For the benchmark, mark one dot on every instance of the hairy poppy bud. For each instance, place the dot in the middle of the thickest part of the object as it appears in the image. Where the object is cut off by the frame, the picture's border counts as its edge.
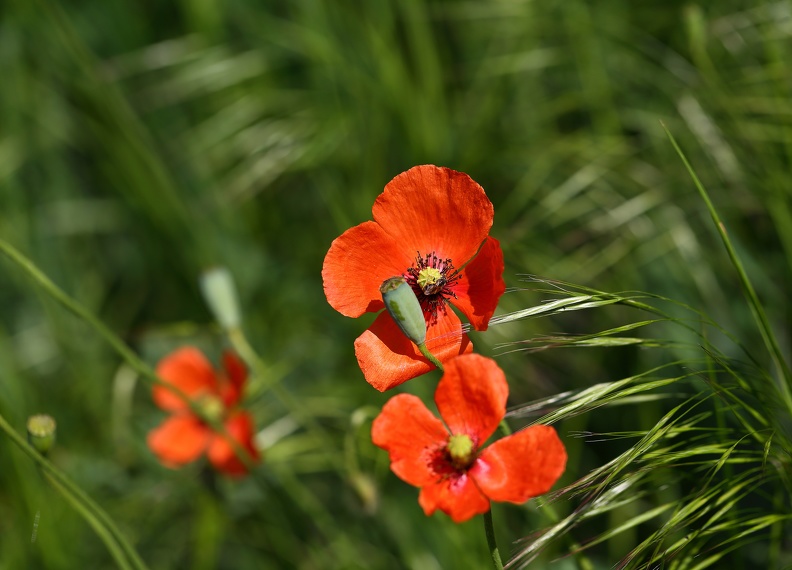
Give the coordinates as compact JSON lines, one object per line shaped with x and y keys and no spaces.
{"x":404,"y":307}
{"x":41,"y":432}
{"x":217,"y":288}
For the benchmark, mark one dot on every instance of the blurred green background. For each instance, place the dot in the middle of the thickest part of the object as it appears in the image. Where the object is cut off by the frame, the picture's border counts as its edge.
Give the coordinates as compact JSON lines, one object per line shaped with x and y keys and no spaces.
{"x":142,"y":142}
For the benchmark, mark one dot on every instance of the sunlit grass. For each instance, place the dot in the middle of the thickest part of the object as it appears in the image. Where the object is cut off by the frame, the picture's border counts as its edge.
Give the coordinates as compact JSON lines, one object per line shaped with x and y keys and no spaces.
{"x":142,"y":144}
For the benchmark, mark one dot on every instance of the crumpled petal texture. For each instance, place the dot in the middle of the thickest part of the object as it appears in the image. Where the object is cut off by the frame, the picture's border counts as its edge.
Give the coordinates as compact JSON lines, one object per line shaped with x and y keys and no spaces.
{"x":471,"y":398}
{"x":427,"y":210}
{"x":388,"y":358}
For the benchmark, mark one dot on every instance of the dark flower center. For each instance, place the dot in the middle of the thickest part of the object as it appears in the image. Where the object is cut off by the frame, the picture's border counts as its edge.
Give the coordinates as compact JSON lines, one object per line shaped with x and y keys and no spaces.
{"x":454,"y":458}
{"x":432,"y":280}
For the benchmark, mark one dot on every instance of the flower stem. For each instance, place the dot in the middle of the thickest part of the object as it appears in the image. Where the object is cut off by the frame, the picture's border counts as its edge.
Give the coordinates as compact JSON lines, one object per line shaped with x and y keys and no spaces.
{"x":429,"y":356}
{"x":240,"y":343}
{"x":120,"y":549}
{"x":489,"y":530}
{"x":145,"y":371}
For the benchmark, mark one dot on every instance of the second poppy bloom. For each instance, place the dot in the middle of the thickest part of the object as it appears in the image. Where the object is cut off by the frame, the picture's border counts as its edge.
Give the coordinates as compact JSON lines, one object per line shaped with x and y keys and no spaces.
{"x":431,"y":227}
{"x":445,"y":458}
{"x":184,"y":436}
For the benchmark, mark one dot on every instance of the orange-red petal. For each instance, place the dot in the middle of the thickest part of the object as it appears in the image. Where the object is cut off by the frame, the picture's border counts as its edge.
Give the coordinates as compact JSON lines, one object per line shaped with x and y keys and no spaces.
{"x":223,"y":455}
{"x":358,"y":261}
{"x":178,"y":440}
{"x":188,"y":370}
{"x":435,"y":209}
{"x":520,"y":466}
{"x":236,"y":375}
{"x":411,"y":435}
{"x":458,"y":497}
{"x":481,"y":284}
{"x":471,"y":396}
{"x":388,"y":358}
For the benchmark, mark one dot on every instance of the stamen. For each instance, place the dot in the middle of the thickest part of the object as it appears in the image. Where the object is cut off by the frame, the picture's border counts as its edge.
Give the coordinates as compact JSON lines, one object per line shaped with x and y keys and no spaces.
{"x":432,"y":279}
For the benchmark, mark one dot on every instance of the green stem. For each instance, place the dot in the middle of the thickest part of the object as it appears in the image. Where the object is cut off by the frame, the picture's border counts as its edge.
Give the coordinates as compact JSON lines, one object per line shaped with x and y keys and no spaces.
{"x":122,"y":551}
{"x":489,"y":530}
{"x":240,"y":343}
{"x":117,"y":344}
{"x":107,"y":537}
{"x":430,"y":357}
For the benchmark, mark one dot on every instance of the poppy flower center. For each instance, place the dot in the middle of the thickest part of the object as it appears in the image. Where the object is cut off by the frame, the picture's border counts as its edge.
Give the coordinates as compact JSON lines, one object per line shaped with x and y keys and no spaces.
{"x":432,"y":279}
{"x":460,"y":450}
{"x":211,"y":407}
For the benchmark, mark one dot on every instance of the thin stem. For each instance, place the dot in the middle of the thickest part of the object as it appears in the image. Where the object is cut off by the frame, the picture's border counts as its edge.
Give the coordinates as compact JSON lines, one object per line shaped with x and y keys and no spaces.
{"x":118,"y":345}
{"x":430,"y":357}
{"x":489,"y":530}
{"x":240,"y":343}
{"x":121,"y":550}
{"x":107,"y":537}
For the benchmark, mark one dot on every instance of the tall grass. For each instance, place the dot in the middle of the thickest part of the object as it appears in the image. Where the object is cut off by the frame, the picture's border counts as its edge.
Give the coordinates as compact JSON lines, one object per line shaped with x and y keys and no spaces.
{"x":141,"y":143}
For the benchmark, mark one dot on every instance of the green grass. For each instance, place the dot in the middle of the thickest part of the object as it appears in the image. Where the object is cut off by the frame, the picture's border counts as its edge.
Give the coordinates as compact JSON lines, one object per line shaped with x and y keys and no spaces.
{"x":142,"y":143}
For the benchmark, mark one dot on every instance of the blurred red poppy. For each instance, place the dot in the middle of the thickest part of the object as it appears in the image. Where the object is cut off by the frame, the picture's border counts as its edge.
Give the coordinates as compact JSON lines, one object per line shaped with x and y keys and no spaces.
{"x":454,"y":474}
{"x":431,"y":226}
{"x":184,"y":436}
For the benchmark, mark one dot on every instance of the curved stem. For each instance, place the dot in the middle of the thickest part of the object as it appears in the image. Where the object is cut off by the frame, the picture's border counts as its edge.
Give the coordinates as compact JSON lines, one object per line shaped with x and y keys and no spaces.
{"x":240,"y":343}
{"x":489,"y":530}
{"x":430,"y":357}
{"x":122,"y":551}
{"x":118,"y":345}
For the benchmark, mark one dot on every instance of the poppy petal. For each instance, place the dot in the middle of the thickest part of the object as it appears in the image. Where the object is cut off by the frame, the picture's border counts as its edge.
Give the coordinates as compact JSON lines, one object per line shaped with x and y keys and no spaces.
{"x":236,"y":375}
{"x":178,"y":440}
{"x":435,"y":209}
{"x":412,"y":436}
{"x":481,"y":285}
{"x":471,"y":396}
{"x":520,"y":466}
{"x":223,"y":455}
{"x":188,"y":370}
{"x":388,"y":358}
{"x":358,"y":261}
{"x":458,"y":497}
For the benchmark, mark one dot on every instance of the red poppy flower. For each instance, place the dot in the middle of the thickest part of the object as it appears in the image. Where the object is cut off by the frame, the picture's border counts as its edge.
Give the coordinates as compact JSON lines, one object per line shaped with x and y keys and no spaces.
{"x":430,"y":226}
{"x":184,"y":437}
{"x":454,"y":474}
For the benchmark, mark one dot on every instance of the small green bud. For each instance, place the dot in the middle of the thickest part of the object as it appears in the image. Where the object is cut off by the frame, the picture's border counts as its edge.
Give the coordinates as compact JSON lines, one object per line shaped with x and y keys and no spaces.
{"x":404,"y":307}
{"x":41,"y":432}
{"x":219,"y":292}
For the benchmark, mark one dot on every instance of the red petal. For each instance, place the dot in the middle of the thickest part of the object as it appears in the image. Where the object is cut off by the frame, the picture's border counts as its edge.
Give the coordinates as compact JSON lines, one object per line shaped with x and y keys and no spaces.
{"x":222,"y":454}
{"x":471,"y":396}
{"x":179,"y":440}
{"x":236,"y":376}
{"x":388,"y":358}
{"x":411,"y":435}
{"x":356,"y":265}
{"x":520,"y":466}
{"x":458,"y":497}
{"x":434,"y":209}
{"x":188,"y":370}
{"x":481,"y":285}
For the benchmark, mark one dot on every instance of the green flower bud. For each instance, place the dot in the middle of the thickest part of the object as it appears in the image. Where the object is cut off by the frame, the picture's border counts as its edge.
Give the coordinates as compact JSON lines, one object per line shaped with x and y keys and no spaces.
{"x":41,"y":432}
{"x":404,"y":307}
{"x":219,"y":292}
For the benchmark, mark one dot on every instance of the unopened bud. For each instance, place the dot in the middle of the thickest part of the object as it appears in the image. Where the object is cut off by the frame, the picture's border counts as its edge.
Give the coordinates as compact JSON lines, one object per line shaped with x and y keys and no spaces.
{"x":404,"y":307}
{"x":219,"y":292}
{"x":41,"y":432}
